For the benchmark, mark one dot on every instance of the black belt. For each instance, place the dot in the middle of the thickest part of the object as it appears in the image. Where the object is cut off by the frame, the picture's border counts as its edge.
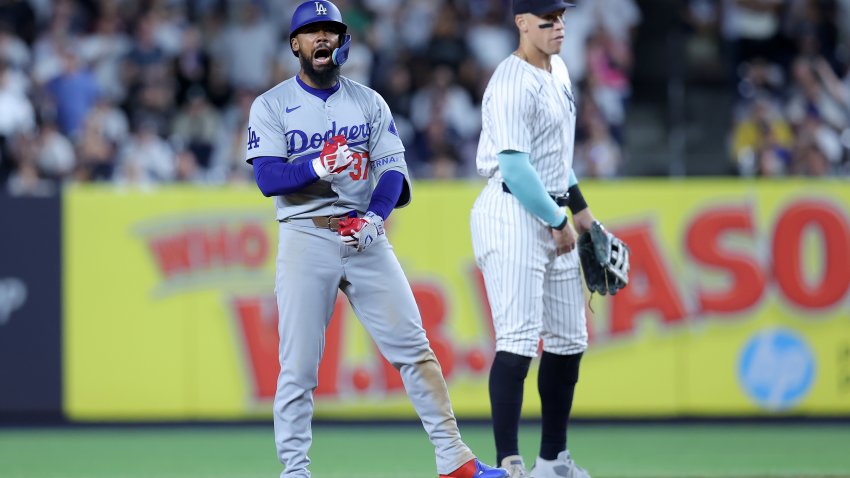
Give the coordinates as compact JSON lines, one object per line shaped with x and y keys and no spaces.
{"x":562,"y":201}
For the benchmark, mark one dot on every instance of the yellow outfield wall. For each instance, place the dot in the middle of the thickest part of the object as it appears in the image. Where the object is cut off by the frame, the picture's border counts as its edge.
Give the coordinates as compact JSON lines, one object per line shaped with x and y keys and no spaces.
{"x":738,"y":304}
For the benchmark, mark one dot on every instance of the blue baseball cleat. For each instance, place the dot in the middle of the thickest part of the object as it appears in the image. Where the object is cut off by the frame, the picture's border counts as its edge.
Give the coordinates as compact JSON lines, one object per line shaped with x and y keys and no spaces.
{"x":484,"y":471}
{"x":475,"y":469}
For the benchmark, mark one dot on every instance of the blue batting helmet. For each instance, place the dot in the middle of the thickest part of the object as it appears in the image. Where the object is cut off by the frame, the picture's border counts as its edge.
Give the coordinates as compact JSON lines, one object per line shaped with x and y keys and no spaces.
{"x":315,"y":11}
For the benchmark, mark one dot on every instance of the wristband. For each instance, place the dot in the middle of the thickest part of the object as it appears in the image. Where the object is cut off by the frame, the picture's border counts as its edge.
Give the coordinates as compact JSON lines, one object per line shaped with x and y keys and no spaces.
{"x":576,"y":201}
{"x":562,"y":225}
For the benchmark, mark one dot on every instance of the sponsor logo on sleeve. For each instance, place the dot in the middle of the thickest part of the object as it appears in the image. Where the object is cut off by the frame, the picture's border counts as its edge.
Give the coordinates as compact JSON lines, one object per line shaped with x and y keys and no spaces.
{"x":384,"y":162}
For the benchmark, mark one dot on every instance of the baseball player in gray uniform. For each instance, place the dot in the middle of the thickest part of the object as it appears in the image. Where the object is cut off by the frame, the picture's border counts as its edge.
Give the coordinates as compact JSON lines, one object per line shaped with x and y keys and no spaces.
{"x":522,"y":242}
{"x":327,"y":150}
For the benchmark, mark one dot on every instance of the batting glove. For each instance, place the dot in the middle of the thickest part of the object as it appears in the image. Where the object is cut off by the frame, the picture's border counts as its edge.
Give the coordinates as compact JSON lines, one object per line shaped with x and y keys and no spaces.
{"x":360,"y":232}
{"x":335,"y":157}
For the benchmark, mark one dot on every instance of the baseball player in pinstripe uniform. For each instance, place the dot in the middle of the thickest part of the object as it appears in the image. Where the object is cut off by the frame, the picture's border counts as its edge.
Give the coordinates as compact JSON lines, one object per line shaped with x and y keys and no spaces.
{"x":327,"y":150}
{"x":523,"y":244}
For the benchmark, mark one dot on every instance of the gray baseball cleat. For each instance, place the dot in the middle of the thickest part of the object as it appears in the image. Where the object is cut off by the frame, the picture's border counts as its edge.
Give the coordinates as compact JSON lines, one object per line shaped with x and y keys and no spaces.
{"x":561,"y":467}
{"x":515,"y":466}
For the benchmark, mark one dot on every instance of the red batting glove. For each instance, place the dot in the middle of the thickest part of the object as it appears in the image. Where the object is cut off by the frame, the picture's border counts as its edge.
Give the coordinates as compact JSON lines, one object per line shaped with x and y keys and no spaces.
{"x":360,"y":232}
{"x":334,"y":158}
{"x":351,"y":225}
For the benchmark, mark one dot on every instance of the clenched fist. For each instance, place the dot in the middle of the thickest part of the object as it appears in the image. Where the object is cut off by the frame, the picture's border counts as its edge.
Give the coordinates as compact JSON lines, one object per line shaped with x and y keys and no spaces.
{"x":335,"y":157}
{"x":360,"y":232}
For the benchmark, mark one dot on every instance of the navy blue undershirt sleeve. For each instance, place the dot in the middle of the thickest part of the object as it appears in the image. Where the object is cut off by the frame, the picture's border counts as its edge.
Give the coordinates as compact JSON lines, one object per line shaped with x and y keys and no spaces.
{"x":386,"y":193}
{"x":275,"y":177}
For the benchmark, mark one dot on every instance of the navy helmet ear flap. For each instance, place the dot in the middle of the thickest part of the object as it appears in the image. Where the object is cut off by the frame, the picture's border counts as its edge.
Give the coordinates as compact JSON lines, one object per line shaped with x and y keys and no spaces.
{"x":340,"y":55}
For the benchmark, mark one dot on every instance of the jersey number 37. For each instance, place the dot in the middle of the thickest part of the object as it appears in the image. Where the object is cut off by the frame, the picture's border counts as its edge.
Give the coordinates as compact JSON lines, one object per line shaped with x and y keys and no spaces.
{"x":360,"y":165}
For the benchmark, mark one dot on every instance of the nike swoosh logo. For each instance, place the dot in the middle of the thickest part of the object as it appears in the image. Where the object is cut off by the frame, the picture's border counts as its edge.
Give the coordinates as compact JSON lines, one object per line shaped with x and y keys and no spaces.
{"x":290,"y":110}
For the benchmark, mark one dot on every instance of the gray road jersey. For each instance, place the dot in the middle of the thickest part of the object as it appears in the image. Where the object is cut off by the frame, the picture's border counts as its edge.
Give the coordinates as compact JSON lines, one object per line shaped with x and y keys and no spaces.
{"x":289,"y":122}
{"x":533,"y":111}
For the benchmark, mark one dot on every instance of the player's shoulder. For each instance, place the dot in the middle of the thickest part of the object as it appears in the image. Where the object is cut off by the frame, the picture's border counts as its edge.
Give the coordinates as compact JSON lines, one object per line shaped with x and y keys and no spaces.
{"x":363,"y":95}
{"x":514,"y":74}
{"x":278,"y":93}
{"x":357,"y":89}
{"x":512,"y":66}
{"x":350,"y":84}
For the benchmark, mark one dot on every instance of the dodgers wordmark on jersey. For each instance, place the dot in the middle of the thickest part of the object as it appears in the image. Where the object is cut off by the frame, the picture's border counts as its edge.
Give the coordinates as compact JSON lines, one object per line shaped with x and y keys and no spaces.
{"x":292,"y":121}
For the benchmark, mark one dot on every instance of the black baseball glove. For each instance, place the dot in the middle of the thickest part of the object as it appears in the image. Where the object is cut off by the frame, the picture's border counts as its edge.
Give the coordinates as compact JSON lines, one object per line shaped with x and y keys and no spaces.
{"x":604,"y":260}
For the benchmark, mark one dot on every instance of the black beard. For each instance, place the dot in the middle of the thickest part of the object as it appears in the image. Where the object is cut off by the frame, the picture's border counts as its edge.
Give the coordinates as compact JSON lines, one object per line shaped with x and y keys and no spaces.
{"x":322,"y":79}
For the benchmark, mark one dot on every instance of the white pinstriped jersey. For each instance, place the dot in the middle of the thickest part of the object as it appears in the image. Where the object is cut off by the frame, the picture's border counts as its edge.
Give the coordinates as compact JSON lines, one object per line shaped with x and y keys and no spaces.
{"x":533,"y":111}
{"x":534,"y":293}
{"x":292,"y":123}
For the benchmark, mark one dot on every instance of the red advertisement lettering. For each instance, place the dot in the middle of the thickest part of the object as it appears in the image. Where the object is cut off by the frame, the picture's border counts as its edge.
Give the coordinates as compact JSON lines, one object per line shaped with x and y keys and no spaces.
{"x":329,"y":368}
{"x":171,"y":254}
{"x":483,"y":301}
{"x":432,"y":306}
{"x":650,"y":288}
{"x":215,"y":248}
{"x":823,"y":219}
{"x":703,"y":241}
{"x":203,"y":248}
{"x":252,"y":245}
{"x":257,"y":317}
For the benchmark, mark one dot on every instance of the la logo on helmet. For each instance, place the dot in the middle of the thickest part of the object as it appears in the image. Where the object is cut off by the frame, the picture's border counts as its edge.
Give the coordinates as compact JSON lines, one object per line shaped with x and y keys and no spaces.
{"x":321,"y":9}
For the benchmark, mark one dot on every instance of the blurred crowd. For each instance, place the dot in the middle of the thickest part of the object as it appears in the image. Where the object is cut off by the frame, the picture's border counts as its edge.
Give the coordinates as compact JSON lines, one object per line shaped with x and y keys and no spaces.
{"x":791,"y":68}
{"x":145,"y":92}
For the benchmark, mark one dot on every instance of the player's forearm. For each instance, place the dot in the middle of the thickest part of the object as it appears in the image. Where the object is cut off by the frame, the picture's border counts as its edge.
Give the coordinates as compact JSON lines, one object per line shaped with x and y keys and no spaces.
{"x":583,"y":220}
{"x":275,"y":177}
{"x":526,"y":185}
{"x":386,"y":193}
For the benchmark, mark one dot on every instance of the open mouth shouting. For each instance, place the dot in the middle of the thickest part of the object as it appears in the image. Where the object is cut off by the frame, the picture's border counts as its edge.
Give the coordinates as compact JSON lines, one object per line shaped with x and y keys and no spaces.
{"x":322,"y":56}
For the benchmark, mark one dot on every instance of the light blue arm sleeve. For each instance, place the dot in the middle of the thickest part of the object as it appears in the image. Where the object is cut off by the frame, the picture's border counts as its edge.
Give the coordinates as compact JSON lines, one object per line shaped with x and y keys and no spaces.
{"x":526,"y":185}
{"x":573,"y":179}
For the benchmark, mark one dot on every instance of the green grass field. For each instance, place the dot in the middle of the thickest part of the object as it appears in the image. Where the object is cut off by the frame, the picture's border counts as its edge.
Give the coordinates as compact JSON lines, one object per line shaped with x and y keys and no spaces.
{"x":627,"y":451}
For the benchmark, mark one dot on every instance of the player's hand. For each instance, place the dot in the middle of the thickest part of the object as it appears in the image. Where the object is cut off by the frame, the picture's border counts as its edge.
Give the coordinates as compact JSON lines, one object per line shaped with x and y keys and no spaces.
{"x":565,"y":239}
{"x":360,"y":232}
{"x":335,"y":157}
